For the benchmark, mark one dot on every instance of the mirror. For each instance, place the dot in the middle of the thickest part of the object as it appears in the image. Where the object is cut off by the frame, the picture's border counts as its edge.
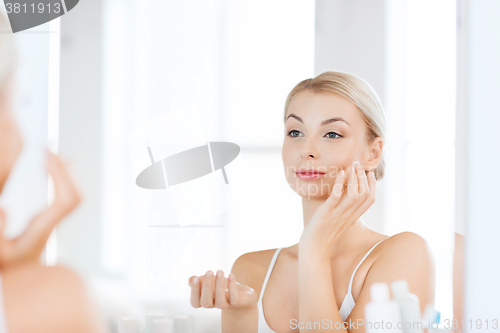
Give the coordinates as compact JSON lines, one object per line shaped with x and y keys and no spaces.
{"x":143,"y":81}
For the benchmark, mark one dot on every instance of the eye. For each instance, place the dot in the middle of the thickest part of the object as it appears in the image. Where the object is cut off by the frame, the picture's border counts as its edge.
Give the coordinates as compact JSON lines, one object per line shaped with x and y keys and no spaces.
{"x":291,"y":133}
{"x":335,"y":134}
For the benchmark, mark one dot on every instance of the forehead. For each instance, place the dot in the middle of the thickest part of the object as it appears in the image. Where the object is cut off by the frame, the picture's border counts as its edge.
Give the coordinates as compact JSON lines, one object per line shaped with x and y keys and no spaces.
{"x":315,"y":107}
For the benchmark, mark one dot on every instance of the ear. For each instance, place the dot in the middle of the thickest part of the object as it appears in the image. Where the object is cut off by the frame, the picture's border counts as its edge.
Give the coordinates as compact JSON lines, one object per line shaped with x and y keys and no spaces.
{"x":374,"y":154}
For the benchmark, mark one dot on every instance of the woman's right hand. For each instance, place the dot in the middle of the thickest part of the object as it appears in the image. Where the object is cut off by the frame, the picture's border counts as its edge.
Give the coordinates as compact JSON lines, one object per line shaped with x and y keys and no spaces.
{"x":28,"y":247}
{"x":212,"y":291}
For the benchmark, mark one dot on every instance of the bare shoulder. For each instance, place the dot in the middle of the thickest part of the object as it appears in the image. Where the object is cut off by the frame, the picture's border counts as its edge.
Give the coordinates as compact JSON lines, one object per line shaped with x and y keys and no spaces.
{"x":405,"y":244}
{"x":404,"y":256}
{"x":55,"y":298}
{"x":408,"y":256}
{"x":412,"y":238}
{"x":250,"y":268}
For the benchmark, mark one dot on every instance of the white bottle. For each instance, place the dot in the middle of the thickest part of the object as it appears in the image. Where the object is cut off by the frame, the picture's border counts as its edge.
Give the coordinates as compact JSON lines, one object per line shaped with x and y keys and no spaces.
{"x":184,"y":324}
{"x":150,"y":317}
{"x":164,"y":325}
{"x":409,"y":305}
{"x":382,"y":315}
{"x":129,"y":325}
{"x":430,"y":317}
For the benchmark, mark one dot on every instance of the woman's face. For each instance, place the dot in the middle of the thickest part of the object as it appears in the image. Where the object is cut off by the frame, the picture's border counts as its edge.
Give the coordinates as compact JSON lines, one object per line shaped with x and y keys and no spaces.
{"x":329,"y":147}
{"x":11,"y":142}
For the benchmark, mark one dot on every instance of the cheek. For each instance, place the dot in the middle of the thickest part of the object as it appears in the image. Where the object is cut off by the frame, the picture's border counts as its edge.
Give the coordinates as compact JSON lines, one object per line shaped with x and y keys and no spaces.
{"x":288,"y":163}
{"x":287,"y":153}
{"x":284,"y":156}
{"x":345,"y":155}
{"x":337,"y":160}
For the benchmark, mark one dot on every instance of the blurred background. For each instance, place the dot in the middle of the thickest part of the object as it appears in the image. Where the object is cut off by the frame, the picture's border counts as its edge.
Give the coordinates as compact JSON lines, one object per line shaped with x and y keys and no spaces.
{"x":114,"y":77}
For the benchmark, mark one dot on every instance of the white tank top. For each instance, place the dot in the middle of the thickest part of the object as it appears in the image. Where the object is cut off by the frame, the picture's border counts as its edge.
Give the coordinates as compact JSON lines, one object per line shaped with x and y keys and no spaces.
{"x":345,"y":309}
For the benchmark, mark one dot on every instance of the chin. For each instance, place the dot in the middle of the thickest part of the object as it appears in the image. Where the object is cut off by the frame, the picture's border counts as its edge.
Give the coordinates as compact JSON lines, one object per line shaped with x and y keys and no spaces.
{"x":312,"y":190}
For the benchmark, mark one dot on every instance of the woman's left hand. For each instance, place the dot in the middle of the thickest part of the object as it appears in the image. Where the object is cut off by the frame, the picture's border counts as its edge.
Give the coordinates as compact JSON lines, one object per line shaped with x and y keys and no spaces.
{"x":339,"y":212}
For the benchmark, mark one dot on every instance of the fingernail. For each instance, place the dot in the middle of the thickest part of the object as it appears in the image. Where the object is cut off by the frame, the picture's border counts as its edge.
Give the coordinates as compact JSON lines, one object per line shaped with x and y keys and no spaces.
{"x":209,"y":273}
{"x":356,"y":163}
{"x":341,"y":173}
{"x":230,"y":277}
{"x":219,"y":273}
{"x":195,"y":280}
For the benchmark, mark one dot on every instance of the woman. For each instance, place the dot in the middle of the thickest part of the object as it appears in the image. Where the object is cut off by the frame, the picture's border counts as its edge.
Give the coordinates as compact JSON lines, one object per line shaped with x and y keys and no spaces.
{"x":332,"y":155}
{"x":35,"y":298}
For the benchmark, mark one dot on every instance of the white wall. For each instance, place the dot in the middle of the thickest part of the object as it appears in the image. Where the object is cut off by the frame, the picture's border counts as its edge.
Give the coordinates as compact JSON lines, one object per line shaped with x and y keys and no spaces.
{"x":80,"y":134}
{"x":479,"y":84}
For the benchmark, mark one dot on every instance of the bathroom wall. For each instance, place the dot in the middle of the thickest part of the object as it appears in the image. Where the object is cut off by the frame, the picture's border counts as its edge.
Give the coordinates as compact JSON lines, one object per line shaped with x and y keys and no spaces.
{"x":478,"y":144}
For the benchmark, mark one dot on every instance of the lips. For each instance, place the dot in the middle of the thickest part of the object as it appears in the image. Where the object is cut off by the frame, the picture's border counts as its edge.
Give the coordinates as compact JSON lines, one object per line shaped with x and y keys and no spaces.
{"x":310,"y":171}
{"x":309,"y":174}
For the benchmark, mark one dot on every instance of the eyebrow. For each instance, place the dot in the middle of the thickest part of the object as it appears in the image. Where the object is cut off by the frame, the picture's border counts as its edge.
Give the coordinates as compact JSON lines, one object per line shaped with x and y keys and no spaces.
{"x":323,"y":123}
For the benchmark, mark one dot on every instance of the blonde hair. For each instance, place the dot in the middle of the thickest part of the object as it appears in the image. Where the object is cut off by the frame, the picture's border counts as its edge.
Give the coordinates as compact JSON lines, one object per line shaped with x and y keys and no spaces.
{"x":7,"y":50}
{"x":358,"y":92}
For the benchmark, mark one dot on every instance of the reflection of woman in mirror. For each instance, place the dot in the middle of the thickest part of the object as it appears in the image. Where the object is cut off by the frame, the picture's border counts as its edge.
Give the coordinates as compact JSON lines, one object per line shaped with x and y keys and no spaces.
{"x":331,"y":122}
{"x":36,"y":298}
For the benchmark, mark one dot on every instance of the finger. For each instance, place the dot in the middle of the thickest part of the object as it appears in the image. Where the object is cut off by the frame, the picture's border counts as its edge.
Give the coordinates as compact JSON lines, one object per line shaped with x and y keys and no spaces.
{"x":221,"y":301}
{"x":66,"y":194}
{"x":207,"y":290}
{"x":351,"y":194}
{"x":363,"y":190}
{"x":370,"y":199}
{"x":233,"y":290}
{"x":353,"y":216}
{"x":64,"y":186}
{"x":336,"y":193}
{"x":194,"y":283}
{"x":353,"y":179}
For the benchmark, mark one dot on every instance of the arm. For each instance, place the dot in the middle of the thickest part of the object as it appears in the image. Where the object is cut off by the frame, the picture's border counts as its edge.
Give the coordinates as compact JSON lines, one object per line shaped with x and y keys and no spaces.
{"x":404,"y":256}
{"x":48,"y":300}
{"x":244,"y":320}
{"x":316,"y":294}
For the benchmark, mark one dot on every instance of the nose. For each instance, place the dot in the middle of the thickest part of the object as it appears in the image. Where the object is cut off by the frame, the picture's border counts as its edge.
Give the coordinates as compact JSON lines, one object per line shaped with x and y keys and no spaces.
{"x":309,"y":151}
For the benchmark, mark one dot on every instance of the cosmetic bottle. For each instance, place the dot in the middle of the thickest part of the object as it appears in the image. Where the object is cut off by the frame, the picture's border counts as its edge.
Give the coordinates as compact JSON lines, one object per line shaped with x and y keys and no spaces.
{"x":129,"y":325}
{"x":409,"y":305}
{"x":184,"y":324}
{"x":382,"y":315}
{"x":430,"y":317}
{"x":150,"y":317}
{"x":163,"y":325}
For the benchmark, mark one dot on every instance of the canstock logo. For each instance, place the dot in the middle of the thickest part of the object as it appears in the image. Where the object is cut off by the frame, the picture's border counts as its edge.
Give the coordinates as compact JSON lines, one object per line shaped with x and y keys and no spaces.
{"x":26,"y":14}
